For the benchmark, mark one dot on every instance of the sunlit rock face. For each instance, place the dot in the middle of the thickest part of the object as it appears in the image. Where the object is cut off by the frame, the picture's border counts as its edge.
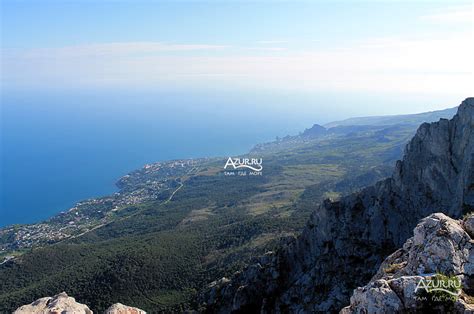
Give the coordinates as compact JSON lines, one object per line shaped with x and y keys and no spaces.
{"x":64,"y":304}
{"x":119,"y":308}
{"x":60,"y":303}
{"x":439,"y":245}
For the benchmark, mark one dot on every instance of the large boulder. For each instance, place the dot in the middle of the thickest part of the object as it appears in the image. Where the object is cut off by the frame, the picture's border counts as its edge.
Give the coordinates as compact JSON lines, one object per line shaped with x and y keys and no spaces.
{"x":119,"y":308}
{"x":59,"y":304}
{"x":441,"y":250}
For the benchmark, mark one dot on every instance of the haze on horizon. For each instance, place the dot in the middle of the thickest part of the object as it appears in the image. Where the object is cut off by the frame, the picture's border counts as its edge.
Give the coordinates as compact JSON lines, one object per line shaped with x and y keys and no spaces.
{"x":415,"y":55}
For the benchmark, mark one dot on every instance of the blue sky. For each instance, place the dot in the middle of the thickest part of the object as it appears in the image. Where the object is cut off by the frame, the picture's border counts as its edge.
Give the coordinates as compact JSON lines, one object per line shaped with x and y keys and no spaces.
{"x":32,"y":24}
{"x":397,"y":47}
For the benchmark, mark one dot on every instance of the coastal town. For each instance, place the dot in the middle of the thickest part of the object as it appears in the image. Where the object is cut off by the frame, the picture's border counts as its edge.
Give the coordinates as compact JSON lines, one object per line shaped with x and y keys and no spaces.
{"x":153,"y":182}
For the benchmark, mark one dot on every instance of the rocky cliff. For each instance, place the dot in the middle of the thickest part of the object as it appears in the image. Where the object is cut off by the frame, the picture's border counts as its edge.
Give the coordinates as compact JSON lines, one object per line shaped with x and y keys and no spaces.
{"x":345,"y":242}
{"x":315,"y":131}
{"x":441,"y":250}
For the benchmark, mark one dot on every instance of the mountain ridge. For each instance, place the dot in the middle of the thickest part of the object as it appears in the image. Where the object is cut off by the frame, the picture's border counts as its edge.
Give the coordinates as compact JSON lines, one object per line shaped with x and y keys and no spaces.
{"x":352,"y":126}
{"x":415,"y":118}
{"x":345,"y":241}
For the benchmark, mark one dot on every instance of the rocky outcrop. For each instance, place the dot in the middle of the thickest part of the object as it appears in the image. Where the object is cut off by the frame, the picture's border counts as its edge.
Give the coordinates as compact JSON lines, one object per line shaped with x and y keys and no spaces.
{"x":119,"y":308}
{"x":64,"y":304}
{"x":440,"y":245}
{"x":345,"y":242}
{"x":60,"y":303}
{"x":315,"y":131}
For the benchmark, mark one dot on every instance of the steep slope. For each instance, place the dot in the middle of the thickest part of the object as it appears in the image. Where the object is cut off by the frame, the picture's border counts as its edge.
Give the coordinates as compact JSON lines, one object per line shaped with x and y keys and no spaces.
{"x":441,"y":250}
{"x":345,"y":241}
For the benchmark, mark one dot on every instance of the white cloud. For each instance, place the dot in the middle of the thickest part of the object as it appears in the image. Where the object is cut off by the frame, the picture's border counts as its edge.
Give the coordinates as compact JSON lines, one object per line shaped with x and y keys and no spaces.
{"x":272,"y":42}
{"x":455,"y":14}
{"x":265,"y":48}
{"x":117,"y":49}
{"x":439,"y":65}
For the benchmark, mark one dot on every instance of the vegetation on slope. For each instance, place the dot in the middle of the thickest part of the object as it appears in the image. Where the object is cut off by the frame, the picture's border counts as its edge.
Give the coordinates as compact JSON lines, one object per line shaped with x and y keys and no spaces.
{"x":157,"y":254}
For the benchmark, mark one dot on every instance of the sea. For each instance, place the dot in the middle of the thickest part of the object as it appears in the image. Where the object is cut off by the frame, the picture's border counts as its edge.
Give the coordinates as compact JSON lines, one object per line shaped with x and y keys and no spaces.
{"x":60,"y":147}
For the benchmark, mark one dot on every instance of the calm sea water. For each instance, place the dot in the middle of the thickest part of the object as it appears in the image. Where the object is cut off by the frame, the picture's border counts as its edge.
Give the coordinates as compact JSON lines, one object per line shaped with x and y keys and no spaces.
{"x":59,"y":148}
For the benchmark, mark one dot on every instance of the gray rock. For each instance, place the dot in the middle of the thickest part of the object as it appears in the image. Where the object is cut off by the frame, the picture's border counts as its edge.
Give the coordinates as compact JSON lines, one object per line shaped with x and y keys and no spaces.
{"x":64,"y":304}
{"x":376,"y":297}
{"x":119,"y":308}
{"x":344,"y":242}
{"x":440,"y":244}
{"x":469,"y":224}
{"x":60,"y":303}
